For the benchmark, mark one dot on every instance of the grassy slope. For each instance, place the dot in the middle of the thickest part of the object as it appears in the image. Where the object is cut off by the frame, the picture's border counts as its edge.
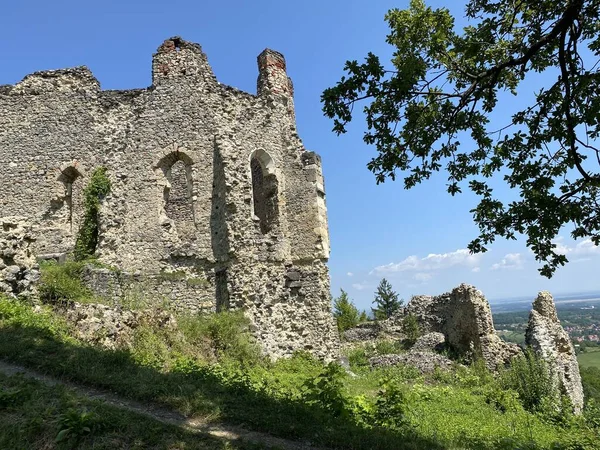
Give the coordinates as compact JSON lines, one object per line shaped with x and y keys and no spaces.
{"x":32,"y":416}
{"x":454,"y":412}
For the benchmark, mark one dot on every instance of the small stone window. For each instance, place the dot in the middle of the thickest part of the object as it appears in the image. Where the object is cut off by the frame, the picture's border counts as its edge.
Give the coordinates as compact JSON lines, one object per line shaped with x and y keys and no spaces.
{"x":265,"y":207}
{"x":71,"y":198}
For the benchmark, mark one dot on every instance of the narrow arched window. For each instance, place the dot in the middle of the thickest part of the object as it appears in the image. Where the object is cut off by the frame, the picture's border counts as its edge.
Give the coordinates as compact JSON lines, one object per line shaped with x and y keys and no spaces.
{"x":264,"y":191}
{"x":179,"y":199}
{"x":71,"y":198}
{"x":178,"y":193}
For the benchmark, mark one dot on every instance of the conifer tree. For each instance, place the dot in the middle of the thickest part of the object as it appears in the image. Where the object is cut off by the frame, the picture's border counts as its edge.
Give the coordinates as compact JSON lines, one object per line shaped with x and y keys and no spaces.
{"x":386,"y":301}
{"x":345,"y":313}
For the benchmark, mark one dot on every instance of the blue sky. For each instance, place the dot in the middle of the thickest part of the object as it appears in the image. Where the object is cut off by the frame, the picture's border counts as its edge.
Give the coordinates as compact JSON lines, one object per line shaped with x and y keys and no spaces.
{"x":414,"y":238}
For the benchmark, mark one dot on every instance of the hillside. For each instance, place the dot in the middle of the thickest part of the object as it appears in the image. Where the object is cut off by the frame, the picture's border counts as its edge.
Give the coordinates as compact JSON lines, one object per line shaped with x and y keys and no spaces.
{"x":209,"y":367}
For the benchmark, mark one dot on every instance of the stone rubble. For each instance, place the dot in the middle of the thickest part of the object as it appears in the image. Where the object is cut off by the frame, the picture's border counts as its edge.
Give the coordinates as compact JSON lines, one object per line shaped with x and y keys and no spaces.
{"x":423,"y":361}
{"x":113,"y":327}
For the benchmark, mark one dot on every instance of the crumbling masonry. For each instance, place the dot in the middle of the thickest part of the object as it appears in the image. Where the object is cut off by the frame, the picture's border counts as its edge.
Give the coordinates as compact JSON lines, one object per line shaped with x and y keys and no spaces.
{"x":209,"y":183}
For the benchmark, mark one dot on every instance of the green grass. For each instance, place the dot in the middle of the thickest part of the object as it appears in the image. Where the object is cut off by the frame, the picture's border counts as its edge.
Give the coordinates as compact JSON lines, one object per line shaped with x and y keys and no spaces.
{"x":590,"y":358}
{"x":209,"y":370}
{"x":37,"y":416}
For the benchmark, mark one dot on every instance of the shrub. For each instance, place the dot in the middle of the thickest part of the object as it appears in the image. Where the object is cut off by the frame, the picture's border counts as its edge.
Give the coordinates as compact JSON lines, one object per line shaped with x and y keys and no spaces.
{"x":411,"y":329}
{"x":390,"y":405}
{"x":75,"y":425}
{"x":61,"y":283}
{"x":531,"y":377}
{"x":226,"y":335}
{"x":327,"y":389}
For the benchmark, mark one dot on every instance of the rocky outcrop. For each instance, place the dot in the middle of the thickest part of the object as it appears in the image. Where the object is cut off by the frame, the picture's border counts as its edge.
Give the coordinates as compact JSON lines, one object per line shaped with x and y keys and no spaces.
{"x":112,"y":327}
{"x":550,"y":341}
{"x":423,"y":361}
{"x":18,"y":267}
{"x":464,"y":317}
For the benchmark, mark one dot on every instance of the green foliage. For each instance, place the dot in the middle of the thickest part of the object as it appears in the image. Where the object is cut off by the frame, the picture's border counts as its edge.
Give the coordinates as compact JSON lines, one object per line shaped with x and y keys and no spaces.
{"x":411,"y":329}
{"x":224,"y":335}
{"x":390,"y":405}
{"x":345,"y":313}
{"x":387,"y":347}
{"x":75,"y":425}
{"x":327,"y":389}
{"x":441,"y":106}
{"x":87,"y":237}
{"x":299,"y":397}
{"x":590,"y":379}
{"x":386,"y":301}
{"x":61,"y":283}
{"x":41,"y":410}
{"x":531,"y":377}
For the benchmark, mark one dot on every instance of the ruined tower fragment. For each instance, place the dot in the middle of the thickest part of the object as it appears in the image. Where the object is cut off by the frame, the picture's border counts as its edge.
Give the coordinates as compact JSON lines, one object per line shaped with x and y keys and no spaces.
{"x":549,"y":340}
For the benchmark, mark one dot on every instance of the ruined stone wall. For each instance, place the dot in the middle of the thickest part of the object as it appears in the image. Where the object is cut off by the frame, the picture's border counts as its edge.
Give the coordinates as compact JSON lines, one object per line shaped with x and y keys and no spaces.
{"x":179,"y":157}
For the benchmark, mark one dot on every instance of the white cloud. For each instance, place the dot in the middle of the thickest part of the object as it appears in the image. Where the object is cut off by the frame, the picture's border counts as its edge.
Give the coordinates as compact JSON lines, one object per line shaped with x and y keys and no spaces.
{"x":476,"y":269}
{"x":350,"y":274}
{"x":582,"y":248}
{"x":513,"y":261}
{"x":433,"y":261}
{"x":360,"y":286}
{"x":423,"y":277}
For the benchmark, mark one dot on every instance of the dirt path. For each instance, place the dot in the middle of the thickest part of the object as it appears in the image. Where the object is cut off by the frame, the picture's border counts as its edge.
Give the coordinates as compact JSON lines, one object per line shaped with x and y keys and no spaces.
{"x":222,"y":431}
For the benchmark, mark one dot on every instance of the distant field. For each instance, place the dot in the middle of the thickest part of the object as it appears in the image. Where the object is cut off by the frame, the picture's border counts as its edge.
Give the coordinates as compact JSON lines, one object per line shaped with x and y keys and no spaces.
{"x":591,"y":359}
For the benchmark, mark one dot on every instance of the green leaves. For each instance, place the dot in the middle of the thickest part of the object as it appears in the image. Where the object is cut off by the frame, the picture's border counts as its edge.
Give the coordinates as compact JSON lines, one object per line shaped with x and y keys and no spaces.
{"x":442,"y":106}
{"x":87,"y":238}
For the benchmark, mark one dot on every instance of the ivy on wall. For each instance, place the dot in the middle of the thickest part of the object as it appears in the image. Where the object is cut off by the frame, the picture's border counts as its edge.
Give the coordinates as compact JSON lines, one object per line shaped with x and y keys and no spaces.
{"x":87,"y":238}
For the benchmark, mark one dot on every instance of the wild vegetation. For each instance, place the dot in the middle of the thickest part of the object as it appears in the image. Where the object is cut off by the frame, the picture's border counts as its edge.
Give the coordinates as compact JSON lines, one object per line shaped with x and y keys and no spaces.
{"x":210,"y":367}
{"x":87,"y":238}
{"x":35,"y":416}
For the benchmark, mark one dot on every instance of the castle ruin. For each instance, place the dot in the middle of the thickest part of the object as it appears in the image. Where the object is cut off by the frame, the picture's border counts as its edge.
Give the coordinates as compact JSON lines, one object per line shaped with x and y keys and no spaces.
{"x":207,"y":182}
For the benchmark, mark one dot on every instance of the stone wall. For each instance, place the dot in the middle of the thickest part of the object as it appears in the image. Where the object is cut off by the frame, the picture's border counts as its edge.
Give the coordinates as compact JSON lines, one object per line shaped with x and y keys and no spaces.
{"x":19,"y":270}
{"x":179,"y":155}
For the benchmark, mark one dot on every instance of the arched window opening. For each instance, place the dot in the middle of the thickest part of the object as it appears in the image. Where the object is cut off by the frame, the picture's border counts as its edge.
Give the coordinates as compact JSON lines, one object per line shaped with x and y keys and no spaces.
{"x":72,"y":193}
{"x":179,"y":199}
{"x":178,"y":193}
{"x":264,"y":191}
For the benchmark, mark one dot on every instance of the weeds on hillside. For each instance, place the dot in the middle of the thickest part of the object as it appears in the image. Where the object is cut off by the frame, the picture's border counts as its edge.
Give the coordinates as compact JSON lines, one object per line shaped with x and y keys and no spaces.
{"x":44,"y":417}
{"x":298,"y":397}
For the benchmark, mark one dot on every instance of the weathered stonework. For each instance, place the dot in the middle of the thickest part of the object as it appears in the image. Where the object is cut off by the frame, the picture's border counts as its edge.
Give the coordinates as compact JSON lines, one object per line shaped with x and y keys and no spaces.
{"x":206,"y":180}
{"x":464,"y":317}
{"x":549,"y":340}
{"x":19,"y":270}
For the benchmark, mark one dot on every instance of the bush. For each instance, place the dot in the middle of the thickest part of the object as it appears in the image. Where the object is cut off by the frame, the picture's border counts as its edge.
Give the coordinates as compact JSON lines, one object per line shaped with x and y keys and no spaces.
{"x":390,"y":405}
{"x":531,"y":377}
{"x":61,"y":283}
{"x":327,"y":390}
{"x":225,"y":335}
{"x":411,"y":329}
